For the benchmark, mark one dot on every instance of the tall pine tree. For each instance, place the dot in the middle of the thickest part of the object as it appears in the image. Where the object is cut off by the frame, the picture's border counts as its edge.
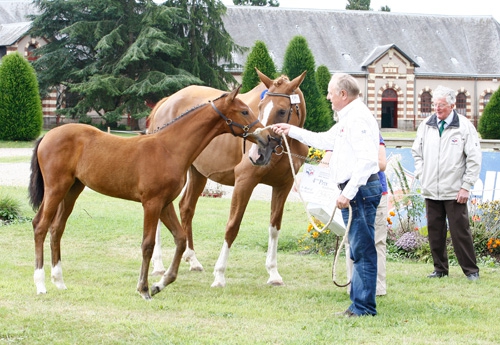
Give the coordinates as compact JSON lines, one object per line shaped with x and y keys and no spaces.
{"x":257,"y":58}
{"x":207,"y":45}
{"x":298,"y":58}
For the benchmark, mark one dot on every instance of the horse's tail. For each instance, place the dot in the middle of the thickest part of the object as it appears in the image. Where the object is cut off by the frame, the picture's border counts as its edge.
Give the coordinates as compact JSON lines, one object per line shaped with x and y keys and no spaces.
{"x":151,"y":117}
{"x":36,"y":188}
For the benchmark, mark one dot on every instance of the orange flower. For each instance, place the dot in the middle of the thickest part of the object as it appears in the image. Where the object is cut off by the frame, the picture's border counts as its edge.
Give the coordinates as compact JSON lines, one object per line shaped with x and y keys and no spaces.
{"x":315,"y":234}
{"x":392,"y":213}
{"x":309,"y":227}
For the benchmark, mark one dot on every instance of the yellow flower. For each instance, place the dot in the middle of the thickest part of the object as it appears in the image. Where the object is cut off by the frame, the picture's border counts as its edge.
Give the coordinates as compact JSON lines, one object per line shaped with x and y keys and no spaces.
{"x":315,"y":234}
{"x":309,"y":227}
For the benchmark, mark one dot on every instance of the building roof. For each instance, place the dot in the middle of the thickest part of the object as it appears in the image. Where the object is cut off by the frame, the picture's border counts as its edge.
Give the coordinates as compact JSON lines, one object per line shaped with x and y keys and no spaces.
{"x":16,"y":11}
{"x":348,"y":41}
{"x":10,"y":33}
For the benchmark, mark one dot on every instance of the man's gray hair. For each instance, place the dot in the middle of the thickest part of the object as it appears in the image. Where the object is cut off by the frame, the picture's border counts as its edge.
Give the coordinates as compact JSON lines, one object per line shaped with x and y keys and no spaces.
{"x":344,"y":81}
{"x":444,"y":92}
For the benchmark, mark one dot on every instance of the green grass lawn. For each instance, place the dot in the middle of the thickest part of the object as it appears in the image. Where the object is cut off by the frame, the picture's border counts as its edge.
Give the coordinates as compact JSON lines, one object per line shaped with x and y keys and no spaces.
{"x":101,"y":260}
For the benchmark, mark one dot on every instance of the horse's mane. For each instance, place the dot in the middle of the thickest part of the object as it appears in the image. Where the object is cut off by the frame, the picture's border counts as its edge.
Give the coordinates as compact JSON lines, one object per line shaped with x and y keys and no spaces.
{"x":153,"y":112}
{"x":280,"y":80}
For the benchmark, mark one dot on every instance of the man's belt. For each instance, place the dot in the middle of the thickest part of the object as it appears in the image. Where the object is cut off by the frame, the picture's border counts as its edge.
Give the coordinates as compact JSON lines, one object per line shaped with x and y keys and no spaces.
{"x":373,"y":177}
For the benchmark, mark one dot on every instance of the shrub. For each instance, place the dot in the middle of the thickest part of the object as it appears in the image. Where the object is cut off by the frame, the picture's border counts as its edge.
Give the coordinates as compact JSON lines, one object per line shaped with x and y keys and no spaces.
{"x":21,"y":116}
{"x":489,"y":122}
{"x":10,"y":209}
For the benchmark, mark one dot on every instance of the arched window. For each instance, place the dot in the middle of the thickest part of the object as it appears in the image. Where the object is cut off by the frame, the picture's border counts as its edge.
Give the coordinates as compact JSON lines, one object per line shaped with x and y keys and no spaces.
{"x":487,"y":98}
{"x":461,"y":104}
{"x":425,"y":104}
{"x":30,"y":50}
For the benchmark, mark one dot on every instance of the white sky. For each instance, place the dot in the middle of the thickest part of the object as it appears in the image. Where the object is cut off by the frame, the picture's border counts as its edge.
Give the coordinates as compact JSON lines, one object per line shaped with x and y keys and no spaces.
{"x":448,"y":7}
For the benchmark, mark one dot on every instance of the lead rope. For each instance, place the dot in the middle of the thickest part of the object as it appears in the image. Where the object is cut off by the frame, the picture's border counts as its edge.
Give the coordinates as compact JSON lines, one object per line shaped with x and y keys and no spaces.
{"x":310,"y":218}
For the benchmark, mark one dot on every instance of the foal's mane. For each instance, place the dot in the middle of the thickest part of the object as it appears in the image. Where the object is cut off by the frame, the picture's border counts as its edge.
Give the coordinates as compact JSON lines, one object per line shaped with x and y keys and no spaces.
{"x":154,"y":111}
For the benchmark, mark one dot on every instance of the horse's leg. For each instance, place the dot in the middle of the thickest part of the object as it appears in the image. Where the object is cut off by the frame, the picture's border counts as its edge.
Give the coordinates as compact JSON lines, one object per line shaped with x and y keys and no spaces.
{"x":41,"y":224}
{"x":57,"y":229}
{"x":151,"y":215}
{"x":158,"y":268}
{"x":187,"y":207}
{"x":277,"y":205}
{"x":239,"y":202}
{"x":169,"y":218}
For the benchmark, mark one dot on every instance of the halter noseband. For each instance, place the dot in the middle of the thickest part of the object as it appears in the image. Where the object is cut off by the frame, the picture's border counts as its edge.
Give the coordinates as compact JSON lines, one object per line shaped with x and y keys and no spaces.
{"x":294,"y":99}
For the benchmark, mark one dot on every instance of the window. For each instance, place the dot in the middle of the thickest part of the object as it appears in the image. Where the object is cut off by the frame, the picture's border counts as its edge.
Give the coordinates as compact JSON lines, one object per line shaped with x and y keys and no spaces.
{"x":487,"y":98}
{"x":3,"y":51}
{"x":425,"y":104}
{"x":461,"y":104}
{"x":30,"y":50}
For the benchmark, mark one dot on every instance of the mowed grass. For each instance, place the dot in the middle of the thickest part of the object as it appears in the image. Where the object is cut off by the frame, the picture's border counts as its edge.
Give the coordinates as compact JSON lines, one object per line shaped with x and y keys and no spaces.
{"x":101,"y":261}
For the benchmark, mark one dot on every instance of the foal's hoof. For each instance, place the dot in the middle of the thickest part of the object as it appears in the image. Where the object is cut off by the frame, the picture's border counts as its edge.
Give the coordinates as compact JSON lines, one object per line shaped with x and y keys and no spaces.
{"x":276,"y":283}
{"x":155,"y":289}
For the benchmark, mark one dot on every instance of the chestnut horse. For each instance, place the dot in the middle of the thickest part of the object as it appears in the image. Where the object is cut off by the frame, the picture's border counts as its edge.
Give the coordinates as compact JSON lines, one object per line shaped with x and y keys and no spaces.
{"x":223,"y":162}
{"x":150,"y":169}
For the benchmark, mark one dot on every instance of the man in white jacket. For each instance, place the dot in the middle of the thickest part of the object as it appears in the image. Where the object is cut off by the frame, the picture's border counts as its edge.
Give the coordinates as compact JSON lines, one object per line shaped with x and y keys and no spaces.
{"x":447,"y":158}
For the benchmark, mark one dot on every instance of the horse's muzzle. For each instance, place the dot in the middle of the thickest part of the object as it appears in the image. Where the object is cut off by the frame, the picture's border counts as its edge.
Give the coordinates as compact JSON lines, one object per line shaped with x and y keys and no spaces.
{"x":266,"y":147}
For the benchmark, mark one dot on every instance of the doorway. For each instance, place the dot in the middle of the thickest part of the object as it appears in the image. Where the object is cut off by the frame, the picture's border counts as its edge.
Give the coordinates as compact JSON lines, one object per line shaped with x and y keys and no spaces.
{"x":389,"y":109}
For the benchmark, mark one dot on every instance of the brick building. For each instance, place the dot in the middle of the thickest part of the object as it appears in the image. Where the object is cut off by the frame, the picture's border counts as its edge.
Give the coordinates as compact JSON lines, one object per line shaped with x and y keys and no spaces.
{"x":397,"y":58}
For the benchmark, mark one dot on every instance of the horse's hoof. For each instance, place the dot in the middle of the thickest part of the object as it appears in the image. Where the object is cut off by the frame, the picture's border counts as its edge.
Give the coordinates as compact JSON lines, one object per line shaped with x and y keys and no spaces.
{"x":196,"y":268}
{"x":155,"y":289}
{"x":218,"y":285}
{"x":276,"y":283}
{"x":41,"y":292}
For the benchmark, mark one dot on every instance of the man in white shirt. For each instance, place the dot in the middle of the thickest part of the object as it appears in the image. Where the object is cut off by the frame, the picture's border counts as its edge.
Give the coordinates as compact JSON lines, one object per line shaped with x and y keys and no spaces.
{"x":354,"y":142}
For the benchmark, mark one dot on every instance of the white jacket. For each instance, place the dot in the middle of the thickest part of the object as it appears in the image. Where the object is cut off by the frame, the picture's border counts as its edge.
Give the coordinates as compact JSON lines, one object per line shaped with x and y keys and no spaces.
{"x":448,"y":163}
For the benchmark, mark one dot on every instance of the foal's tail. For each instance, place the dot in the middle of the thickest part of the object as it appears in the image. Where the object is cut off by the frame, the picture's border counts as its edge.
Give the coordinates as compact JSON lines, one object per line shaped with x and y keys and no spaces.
{"x":35,"y":188}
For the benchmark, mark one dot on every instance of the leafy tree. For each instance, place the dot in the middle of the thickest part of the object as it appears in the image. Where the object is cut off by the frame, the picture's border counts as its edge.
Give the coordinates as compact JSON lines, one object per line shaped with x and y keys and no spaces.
{"x":385,"y":8}
{"x":489,"y":122}
{"x":323,"y":77}
{"x":21,"y":116}
{"x":259,"y":57}
{"x":205,"y":41}
{"x":271,"y":3}
{"x":112,"y":54}
{"x":359,"y":5}
{"x":298,"y":57}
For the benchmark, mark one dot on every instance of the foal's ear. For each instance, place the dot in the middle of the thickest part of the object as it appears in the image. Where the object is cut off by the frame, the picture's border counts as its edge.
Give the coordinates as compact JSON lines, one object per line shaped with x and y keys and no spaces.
{"x":234,"y":93}
{"x":298,"y":80}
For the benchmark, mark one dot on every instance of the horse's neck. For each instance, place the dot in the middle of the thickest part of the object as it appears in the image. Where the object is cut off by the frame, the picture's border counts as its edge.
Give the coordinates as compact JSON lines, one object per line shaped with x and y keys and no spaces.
{"x":190,"y":135}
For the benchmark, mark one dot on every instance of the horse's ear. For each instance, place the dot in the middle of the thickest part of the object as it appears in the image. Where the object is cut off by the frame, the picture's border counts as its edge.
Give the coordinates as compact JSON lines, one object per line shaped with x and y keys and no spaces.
{"x":298,"y":80}
{"x":263,"y":78}
{"x":234,"y":93}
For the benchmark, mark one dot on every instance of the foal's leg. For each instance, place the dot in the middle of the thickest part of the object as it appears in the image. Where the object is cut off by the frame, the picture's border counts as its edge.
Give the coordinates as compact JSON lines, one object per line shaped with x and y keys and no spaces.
{"x":41,"y":224}
{"x":187,"y":207}
{"x":57,"y":229}
{"x":239,"y":202}
{"x":277,"y":205}
{"x":169,"y":218}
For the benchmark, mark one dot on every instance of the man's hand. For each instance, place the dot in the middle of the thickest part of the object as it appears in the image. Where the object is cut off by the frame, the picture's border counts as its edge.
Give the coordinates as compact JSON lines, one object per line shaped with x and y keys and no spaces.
{"x":281,"y":128}
{"x":462,"y":196}
{"x":342,"y":202}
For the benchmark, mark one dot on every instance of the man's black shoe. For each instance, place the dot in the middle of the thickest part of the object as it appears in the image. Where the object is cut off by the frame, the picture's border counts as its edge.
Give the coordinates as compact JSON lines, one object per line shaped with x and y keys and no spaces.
{"x":437,"y":274}
{"x":473,"y":276}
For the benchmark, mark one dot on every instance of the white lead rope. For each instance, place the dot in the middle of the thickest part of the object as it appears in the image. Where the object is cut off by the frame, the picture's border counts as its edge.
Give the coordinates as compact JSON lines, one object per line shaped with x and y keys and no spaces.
{"x":310,"y":218}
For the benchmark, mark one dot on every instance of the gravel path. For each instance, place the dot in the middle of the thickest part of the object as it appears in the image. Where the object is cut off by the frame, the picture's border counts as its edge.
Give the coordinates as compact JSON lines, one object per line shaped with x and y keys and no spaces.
{"x":17,"y":174}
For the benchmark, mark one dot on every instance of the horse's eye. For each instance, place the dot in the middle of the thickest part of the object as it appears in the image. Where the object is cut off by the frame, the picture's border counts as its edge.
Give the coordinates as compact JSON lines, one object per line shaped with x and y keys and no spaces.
{"x":245,"y":112}
{"x":281,"y":112}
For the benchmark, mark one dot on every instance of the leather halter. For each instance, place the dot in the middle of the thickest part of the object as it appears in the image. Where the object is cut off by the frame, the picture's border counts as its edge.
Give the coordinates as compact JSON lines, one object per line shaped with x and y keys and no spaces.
{"x":297,"y":110}
{"x":231,"y":123}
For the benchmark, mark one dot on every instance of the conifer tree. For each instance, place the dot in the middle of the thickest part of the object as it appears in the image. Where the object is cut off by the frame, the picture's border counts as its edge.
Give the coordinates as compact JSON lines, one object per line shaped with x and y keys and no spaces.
{"x":205,"y":41}
{"x":489,"y":122}
{"x":257,"y":58}
{"x":298,"y":58}
{"x":271,"y":3}
{"x":21,"y":116}
{"x":323,"y":77}
{"x":360,"y":5}
{"x":112,"y":54}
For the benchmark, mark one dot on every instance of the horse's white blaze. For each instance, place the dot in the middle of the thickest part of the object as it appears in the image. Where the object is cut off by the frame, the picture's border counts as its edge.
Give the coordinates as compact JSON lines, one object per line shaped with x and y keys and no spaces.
{"x":272,"y":257}
{"x":57,"y":277}
{"x":158,"y":268}
{"x":39,"y":278}
{"x":190,"y":257}
{"x":220,"y":267}
{"x":267,"y":112}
